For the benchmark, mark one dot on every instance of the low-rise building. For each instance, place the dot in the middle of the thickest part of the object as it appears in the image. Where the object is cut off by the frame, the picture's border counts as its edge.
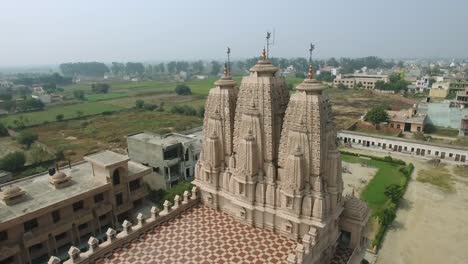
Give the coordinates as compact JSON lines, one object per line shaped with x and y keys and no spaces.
{"x":407,"y":120}
{"x":462,"y":98}
{"x":45,"y":214}
{"x":172,"y":156}
{"x":365,"y":81}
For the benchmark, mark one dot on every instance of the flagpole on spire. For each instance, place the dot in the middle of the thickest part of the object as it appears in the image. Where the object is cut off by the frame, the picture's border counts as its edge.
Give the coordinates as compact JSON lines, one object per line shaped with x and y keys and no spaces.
{"x":228,"y":52}
{"x":311,"y":70}
{"x":268,"y":36}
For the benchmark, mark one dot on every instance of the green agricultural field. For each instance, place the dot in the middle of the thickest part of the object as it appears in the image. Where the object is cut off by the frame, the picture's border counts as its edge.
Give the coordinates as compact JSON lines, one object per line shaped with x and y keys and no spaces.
{"x":106,"y":96}
{"x":387,"y":174}
{"x":49,"y":114}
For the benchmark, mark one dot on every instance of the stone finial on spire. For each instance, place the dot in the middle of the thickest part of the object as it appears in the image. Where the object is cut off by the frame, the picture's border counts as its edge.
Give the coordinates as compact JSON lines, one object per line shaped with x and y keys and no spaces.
{"x":310,"y":75}
{"x":264,"y":55}
{"x":226,"y":70}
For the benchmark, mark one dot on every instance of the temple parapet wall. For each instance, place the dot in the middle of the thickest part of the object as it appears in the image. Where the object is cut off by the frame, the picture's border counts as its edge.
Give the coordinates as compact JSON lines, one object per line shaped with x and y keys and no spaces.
{"x":130,"y":231}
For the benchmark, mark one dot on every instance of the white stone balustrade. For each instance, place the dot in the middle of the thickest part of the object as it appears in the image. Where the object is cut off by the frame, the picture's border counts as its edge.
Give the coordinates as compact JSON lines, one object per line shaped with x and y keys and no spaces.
{"x":141,"y":219}
{"x":74,"y":254}
{"x":166,"y":208}
{"x":53,"y":260}
{"x":93,"y":244}
{"x":186,"y":197}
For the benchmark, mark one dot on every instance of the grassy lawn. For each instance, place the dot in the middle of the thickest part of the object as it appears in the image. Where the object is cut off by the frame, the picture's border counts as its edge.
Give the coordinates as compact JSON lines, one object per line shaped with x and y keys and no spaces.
{"x":386,"y":175}
{"x":49,"y":114}
{"x":80,"y":137}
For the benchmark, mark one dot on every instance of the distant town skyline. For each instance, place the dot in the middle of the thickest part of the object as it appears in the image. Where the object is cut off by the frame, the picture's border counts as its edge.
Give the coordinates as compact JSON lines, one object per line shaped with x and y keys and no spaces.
{"x":52,"y":32}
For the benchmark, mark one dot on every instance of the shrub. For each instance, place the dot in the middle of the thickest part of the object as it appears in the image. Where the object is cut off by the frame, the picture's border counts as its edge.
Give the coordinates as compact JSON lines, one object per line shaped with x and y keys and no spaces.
{"x":3,"y":130}
{"x":59,"y":117}
{"x":13,"y":162}
{"x":182,"y":89}
{"x":150,"y":107}
{"x":394,"y":192}
{"x":78,"y":94}
{"x":26,"y":138}
{"x":139,"y":104}
{"x":100,"y":87}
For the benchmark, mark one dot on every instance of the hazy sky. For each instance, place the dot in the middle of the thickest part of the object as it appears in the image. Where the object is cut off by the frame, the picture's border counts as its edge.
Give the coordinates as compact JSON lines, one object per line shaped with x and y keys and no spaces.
{"x":56,"y":31}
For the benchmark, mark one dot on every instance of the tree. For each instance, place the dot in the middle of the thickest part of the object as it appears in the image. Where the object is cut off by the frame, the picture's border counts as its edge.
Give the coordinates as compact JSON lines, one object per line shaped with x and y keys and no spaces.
{"x":182,"y":89}
{"x":3,"y":130}
{"x":100,"y":87}
{"x":79,"y":113}
{"x":198,"y":67}
{"x":215,"y":67}
{"x":162,"y":69}
{"x":136,"y":68}
{"x":139,"y":104}
{"x":171,"y":67}
{"x":92,"y":69}
{"x":79,"y":94}
{"x":13,"y":162}
{"x":394,"y":192}
{"x":30,"y":104}
{"x":376,"y":115}
{"x":118,"y":68}
{"x":26,"y":138}
{"x":59,"y":117}
{"x":341,"y":86}
{"x":201,"y":111}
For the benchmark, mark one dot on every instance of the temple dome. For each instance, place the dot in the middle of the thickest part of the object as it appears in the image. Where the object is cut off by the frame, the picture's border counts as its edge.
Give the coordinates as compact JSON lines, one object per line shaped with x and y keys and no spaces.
{"x":12,"y":191}
{"x":59,"y":176}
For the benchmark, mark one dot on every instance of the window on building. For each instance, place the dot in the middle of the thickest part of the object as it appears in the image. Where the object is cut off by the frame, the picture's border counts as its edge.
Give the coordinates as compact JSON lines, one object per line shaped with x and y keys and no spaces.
{"x":116,"y":177}
{"x":30,"y":225}
{"x":156,"y":169}
{"x":102,"y":217}
{"x":241,"y":188}
{"x":412,"y":149}
{"x":61,"y":236}
{"x":288,"y":202}
{"x":418,"y":129}
{"x":99,"y":197}
{"x":77,"y":206}
{"x":119,"y":199}
{"x":398,"y":126}
{"x":450,"y":155}
{"x":36,"y":247}
{"x":428,"y":152}
{"x":437,"y":153}
{"x":3,"y":235}
{"x":56,"y":216}
{"x":171,"y":153}
{"x":8,"y":260}
{"x":83,"y":226}
{"x":134,"y":185}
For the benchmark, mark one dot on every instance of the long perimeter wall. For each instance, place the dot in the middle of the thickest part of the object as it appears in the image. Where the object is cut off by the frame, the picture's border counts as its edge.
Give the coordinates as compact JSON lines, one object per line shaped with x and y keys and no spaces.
{"x":418,"y":149}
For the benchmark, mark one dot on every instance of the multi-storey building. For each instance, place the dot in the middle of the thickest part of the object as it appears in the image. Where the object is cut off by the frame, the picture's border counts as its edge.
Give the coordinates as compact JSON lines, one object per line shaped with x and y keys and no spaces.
{"x":45,"y":214}
{"x":365,"y":81}
{"x":172,"y":156}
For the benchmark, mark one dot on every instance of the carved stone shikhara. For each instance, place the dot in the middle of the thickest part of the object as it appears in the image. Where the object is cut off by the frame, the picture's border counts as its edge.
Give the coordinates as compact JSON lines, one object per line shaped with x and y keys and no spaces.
{"x":272,"y":161}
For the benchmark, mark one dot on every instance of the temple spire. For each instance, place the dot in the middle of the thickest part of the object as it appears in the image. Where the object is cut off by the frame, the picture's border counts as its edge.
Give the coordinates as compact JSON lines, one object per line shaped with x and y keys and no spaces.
{"x":264,"y":55}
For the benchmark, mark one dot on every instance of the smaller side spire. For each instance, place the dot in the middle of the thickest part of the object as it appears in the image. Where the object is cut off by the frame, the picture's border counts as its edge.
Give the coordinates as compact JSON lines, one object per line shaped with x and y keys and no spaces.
{"x":310,"y":75}
{"x":264,"y":55}
{"x":226,"y":70}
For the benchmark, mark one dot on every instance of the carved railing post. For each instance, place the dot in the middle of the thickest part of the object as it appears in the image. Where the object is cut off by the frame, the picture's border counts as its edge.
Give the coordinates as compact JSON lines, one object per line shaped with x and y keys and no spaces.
{"x":111,"y":234}
{"x":127,"y":227}
{"x":300,"y":253}
{"x":53,"y":260}
{"x":166,"y":205}
{"x":176,"y":202}
{"x":292,"y":259}
{"x":141,"y":219}
{"x":74,"y":254}
{"x":186,"y":197}
{"x":194,"y":193}
{"x":154,"y":212}
{"x":93,"y":244}
{"x":306,"y":240}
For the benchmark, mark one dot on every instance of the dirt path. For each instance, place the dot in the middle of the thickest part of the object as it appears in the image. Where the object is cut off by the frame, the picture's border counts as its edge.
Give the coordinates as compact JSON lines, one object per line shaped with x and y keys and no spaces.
{"x":430,"y":226}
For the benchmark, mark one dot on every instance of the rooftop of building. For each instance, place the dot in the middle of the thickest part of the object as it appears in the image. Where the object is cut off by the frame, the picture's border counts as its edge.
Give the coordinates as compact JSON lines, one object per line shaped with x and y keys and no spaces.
{"x":363,"y":75}
{"x":404,"y":118}
{"x":204,"y":235}
{"x":39,"y":193}
{"x":106,"y":158}
{"x":167,"y":139}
